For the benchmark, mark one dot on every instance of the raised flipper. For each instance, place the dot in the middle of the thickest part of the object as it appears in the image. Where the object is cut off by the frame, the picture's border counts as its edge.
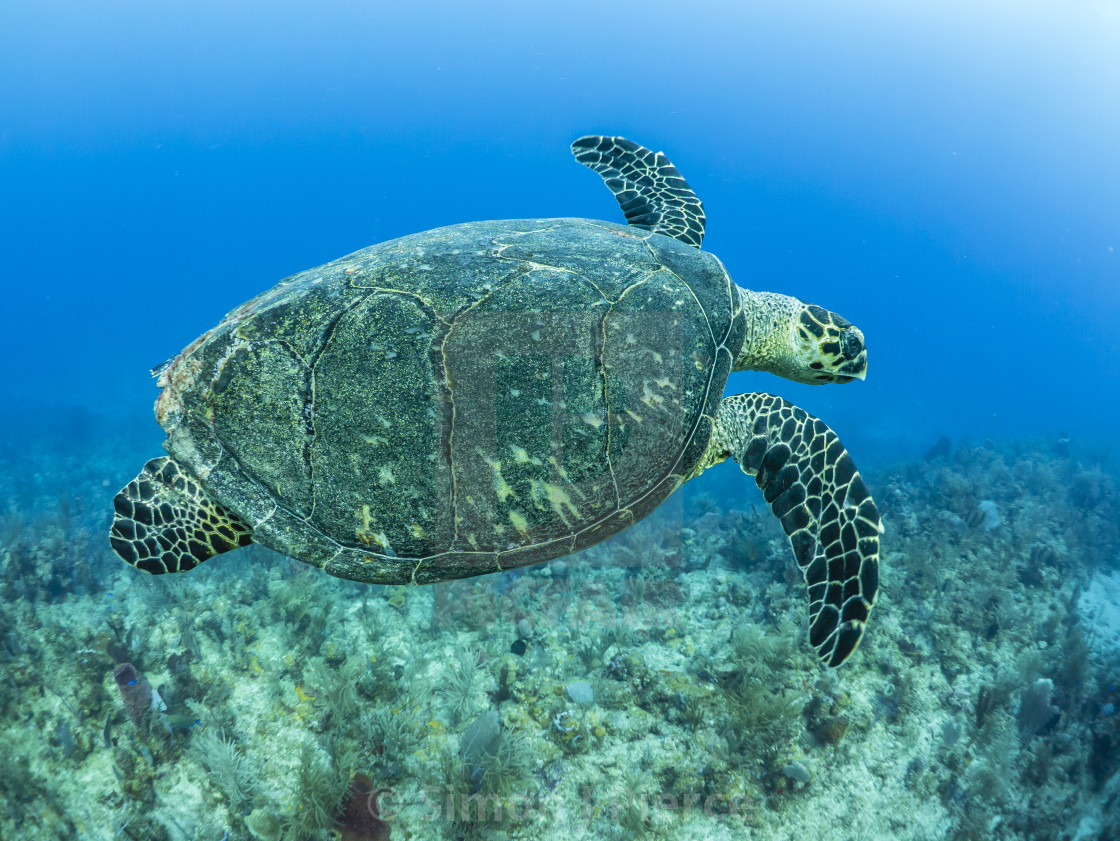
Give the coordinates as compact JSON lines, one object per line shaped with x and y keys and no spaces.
{"x":650,"y":191}
{"x":813,"y":487}
{"x":165,"y":522}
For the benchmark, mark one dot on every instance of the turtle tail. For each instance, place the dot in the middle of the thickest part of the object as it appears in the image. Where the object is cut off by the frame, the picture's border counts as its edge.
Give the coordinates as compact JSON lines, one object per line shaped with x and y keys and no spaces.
{"x":164,"y":522}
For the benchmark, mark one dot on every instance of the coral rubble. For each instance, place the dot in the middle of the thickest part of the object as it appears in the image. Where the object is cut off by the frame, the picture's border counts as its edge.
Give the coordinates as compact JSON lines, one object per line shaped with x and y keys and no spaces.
{"x":655,"y":686}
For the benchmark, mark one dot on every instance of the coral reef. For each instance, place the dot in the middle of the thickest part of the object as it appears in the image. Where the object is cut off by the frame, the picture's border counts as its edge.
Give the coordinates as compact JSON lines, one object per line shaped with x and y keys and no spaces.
{"x":655,"y":686}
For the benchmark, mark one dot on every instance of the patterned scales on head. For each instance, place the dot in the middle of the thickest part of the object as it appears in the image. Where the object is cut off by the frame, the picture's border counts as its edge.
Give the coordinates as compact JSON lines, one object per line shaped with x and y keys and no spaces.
{"x":494,"y":394}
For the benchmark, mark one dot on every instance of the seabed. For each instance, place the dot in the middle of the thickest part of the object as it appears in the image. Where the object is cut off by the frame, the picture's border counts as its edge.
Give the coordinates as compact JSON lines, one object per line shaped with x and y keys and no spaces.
{"x":656,"y":686}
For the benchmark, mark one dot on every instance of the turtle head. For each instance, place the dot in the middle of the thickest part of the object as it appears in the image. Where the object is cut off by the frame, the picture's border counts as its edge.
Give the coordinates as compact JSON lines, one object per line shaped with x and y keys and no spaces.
{"x":799,"y":341}
{"x":827,"y":347}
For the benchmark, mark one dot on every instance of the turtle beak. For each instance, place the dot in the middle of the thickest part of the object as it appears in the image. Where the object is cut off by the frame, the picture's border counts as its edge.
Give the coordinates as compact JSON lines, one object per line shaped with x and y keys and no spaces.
{"x":854,"y":349}
{"x":854,"y":370}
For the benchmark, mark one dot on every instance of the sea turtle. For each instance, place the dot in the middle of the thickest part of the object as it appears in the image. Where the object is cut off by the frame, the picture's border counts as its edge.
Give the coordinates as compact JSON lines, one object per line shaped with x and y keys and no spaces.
{"x":494,"y":394}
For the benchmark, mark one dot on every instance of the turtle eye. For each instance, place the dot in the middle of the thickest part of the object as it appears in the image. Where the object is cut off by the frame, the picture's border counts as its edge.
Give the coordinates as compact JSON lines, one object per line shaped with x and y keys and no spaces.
{"x":851,"y":344}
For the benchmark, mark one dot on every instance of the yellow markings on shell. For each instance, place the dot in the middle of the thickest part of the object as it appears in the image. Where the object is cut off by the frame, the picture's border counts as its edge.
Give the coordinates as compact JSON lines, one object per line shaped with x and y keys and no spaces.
{"x":649,"y":397}
{"x":637,"y":418}
{"x":385,"y":476}
{"x":472,"y":540}
{"x":592,"y":420}
{"x":560,"y":471}
{"x":375,"y":440}
{"x":385,"y":422}
{"x":521,"y":455}
{"x":665,"y":382}
{"x":519,"y":521}
{"x":501,"y":486}
{"x":364,"y":532}
{"x":417,"y":531}
{"x":556,"y":497}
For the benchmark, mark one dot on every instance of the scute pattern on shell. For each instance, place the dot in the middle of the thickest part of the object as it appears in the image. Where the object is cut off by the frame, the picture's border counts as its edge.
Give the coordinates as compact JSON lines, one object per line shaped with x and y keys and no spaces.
{"x":463,"y":400}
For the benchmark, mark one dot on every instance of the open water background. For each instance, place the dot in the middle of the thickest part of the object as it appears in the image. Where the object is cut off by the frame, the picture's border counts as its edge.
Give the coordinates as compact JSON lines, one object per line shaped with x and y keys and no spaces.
{"x":943,"y":174}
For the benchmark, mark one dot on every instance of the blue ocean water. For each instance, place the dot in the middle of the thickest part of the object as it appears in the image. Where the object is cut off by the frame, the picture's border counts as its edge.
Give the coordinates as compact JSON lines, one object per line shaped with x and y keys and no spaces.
{"x":943,"y":174}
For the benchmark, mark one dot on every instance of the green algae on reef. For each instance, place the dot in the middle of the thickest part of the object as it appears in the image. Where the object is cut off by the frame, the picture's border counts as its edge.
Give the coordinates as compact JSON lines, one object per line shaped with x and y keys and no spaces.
{"x":978,"y":706}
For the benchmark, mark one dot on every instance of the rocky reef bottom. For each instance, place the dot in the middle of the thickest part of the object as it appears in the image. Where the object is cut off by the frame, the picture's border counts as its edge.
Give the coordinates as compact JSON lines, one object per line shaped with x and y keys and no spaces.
{"x":657,"y":686}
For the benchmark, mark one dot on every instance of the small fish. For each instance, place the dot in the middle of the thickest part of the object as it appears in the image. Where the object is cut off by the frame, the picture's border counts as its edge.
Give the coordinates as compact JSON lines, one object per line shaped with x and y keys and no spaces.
{"x":65,"y":738}
{"x":175,"y":721}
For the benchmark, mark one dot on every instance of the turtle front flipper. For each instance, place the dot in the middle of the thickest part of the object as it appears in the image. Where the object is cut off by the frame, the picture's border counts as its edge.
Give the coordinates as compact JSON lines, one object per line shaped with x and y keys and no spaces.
{"x":165,"y":522}
{"x":813,"y":487}
{"x":650,"y":191}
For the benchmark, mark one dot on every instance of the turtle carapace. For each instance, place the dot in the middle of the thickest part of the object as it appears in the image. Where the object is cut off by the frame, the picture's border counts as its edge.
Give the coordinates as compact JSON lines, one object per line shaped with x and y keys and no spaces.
{"x":494,"y":394}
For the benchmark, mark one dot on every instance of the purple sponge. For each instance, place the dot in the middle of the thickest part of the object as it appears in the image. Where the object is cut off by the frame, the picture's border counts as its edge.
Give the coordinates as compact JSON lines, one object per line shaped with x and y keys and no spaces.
{"x":138,"y":696}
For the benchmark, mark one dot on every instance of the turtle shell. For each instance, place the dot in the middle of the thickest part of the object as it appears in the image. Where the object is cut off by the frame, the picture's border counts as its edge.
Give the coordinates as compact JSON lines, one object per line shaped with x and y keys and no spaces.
{"x":460,"y":401}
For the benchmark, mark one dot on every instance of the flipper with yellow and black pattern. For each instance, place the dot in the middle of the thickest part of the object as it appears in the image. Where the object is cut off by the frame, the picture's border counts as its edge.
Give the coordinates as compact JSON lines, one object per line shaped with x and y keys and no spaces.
{"x":651,"y":192}
{"x":813,"y":487}
{"x":164,"y":522}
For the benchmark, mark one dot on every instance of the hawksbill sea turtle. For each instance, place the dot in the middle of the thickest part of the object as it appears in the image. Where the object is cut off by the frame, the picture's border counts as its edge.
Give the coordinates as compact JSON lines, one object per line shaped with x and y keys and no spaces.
{"x":489,"y":395}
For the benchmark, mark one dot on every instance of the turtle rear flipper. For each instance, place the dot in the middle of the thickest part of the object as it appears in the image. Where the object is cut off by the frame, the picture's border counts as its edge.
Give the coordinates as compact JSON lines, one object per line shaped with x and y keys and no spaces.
{"x":165,"y":522}
{"x":813,"y":487}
